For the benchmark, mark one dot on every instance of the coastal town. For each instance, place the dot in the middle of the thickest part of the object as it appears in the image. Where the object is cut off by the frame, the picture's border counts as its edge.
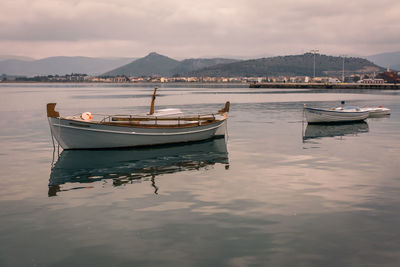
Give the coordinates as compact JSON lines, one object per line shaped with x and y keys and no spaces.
{"x":388,"y":76}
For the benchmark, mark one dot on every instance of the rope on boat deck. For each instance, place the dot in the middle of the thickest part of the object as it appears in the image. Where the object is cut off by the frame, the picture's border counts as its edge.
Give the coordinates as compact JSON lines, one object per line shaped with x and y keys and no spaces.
{"x":226,"y":131}
{"x":51,"y":133}
{"x":302,"y":124}
{"x":59,"y":135}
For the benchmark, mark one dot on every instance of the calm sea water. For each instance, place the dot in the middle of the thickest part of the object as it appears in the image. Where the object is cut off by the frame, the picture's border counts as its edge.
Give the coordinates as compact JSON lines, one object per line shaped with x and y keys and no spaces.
{"x":275,"y":192}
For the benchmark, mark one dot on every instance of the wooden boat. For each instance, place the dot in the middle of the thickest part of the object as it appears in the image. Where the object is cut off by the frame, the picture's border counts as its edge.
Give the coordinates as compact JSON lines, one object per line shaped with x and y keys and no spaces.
{"x":116,"y":131}
{"x":338,"y":115}
{"x":377,"y":111}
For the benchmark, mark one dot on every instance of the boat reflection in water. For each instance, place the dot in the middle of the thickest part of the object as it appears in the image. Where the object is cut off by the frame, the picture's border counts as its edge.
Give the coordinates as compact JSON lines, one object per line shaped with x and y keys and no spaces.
{"x":314,"y":131}
{"x":80,"y":167}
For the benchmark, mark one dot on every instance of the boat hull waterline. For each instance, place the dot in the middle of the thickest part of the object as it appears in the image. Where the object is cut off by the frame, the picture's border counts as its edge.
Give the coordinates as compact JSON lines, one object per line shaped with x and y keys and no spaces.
{"x":314,"y":115}
{"x":71,"y":134}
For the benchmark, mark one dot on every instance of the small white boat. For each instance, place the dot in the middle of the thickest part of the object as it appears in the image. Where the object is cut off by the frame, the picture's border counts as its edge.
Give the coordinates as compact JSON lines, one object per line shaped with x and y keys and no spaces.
{"x":377,"y":111}
{"x":373,"y":111}
{"x":116,"y":131}
{"x":338,"y":115}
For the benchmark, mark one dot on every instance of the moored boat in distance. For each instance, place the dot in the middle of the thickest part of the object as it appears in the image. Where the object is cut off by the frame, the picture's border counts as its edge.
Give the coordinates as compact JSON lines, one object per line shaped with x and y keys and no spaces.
{"x":376,"y":111}
{"x":338,"y":115}
{"x":95,"y":131}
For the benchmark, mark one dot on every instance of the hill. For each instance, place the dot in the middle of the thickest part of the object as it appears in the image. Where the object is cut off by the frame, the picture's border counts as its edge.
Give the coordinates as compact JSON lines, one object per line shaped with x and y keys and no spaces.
{"x":60,"y":65}
{"x":193,"y":64}
{"x":295,"y":65}
{"x":158,"y":65}
{"x":152,"y":64}
{"x":387,"y":60}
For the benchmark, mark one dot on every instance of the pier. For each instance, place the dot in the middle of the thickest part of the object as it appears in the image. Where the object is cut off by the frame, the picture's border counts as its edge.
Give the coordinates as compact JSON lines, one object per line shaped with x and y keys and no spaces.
{"x":384,"y":86}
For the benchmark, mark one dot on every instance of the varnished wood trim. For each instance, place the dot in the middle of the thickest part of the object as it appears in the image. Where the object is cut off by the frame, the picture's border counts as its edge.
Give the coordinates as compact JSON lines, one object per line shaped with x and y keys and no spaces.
{"x":190,"y":130}
{"x":135,"y":125}
{"x":153,"y":99}
{"x":186,"y":125}
{"x":226,"y":108}
{"x":163,"y":119}
{"x":51,"y":110}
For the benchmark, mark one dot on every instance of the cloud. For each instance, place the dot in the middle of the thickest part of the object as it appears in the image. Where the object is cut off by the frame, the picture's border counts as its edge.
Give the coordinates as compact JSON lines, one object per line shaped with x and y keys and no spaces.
{"x":193,"y":28}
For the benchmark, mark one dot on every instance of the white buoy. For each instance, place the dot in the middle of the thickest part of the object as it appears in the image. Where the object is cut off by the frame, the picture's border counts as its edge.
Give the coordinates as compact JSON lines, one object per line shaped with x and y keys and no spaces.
{"x":86,"y":116}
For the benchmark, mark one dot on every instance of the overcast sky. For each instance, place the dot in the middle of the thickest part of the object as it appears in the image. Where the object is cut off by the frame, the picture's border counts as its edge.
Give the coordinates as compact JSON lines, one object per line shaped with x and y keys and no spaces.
{"x":183,"y":29}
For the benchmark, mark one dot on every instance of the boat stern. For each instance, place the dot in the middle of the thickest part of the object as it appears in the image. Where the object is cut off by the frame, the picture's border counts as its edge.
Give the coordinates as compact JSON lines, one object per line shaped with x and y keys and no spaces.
{"x":51,"y":112}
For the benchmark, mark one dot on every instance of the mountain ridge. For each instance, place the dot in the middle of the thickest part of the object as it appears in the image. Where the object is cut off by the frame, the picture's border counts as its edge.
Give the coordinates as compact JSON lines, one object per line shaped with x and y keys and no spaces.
{"x":386,"y":60}
{"x":60,"y":65}
{"x":291,"y":65}
{"x":155,"y":64}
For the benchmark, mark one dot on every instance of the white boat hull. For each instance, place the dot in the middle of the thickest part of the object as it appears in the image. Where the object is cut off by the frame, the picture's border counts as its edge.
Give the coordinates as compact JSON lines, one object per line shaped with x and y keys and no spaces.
{"x":377,"y":112}
{"x":314,"y":115}
{"x":73,"y":134}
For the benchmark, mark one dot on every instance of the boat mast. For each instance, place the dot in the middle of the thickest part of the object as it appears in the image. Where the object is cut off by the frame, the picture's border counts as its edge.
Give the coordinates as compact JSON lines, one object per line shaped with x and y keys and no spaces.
{"x":153,"y":99}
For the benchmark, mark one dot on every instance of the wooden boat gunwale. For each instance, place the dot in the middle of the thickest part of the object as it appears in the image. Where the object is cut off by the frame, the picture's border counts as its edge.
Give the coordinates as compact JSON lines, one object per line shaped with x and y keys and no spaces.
{"x":86,"y":127}
{"x":130,"y":121}
{"x":335,"y":111}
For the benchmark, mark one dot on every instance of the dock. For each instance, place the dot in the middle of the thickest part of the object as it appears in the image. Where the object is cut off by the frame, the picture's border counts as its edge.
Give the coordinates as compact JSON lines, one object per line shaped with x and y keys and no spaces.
{"x":384,"y":86}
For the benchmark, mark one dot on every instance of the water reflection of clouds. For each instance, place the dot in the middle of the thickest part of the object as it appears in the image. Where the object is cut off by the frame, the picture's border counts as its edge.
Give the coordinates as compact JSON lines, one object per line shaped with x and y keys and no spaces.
{"x":117,"y":96}
{"x":168,"y":205}
{"x":284,"y":189}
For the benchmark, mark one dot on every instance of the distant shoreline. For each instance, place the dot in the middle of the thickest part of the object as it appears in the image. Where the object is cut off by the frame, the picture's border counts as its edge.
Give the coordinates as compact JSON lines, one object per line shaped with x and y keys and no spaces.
{"x":245,"y":85}
{"x":272,"y":85}
{"x":384,"y":86}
